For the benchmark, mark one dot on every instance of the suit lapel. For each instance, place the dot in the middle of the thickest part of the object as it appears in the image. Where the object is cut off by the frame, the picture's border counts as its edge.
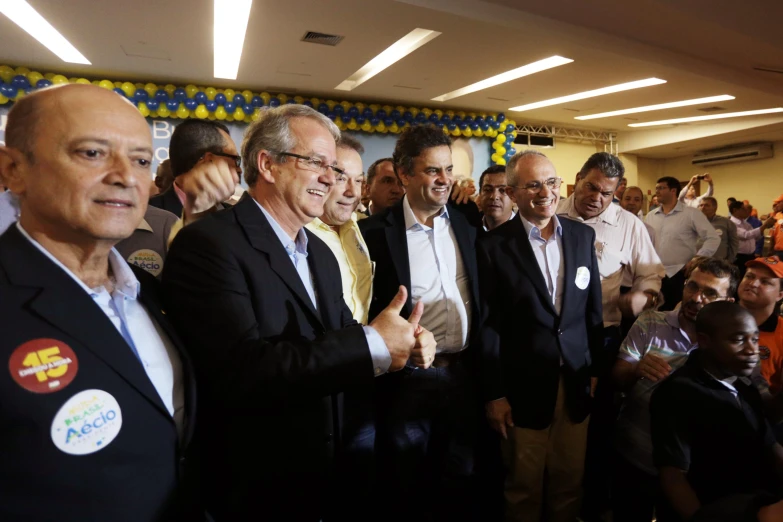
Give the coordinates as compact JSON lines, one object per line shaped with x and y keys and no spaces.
{"x":397,"y":241}
{"x":520,"y":249}
{"x":65,"y":305}
{"x":262,"y":237}
{"x":570,"y":247}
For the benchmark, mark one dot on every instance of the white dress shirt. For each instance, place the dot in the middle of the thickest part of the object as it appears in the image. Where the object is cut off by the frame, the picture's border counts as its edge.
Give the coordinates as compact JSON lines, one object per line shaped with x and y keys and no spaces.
{"x":695,"y":202}
{"x":747,"y":235}
{"x":549,"y":255}
{"x":676,"y":234}
{"x":438,"y":279}
{"x":624,"y":252}
{"x":148,"y":341}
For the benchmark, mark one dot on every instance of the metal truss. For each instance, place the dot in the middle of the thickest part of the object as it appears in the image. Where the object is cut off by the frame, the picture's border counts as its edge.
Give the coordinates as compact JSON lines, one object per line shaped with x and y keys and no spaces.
{"x":607,"y":139}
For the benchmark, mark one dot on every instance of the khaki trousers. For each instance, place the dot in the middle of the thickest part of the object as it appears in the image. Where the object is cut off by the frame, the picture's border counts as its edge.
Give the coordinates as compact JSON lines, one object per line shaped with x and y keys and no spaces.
{"x":545,"y":468}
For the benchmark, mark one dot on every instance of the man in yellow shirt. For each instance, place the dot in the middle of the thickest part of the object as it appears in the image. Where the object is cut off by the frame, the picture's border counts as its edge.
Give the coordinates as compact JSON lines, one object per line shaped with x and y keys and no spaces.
{"x":338,"y":229}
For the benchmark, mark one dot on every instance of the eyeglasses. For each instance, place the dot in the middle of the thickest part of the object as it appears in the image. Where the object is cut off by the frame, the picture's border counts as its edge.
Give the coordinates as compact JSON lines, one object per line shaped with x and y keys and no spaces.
{"x":534,"y":187}
{"x":708,"y":294}
{"x":237,"y":159}
{"x":489,"y":190}
{"x":314,"y":164}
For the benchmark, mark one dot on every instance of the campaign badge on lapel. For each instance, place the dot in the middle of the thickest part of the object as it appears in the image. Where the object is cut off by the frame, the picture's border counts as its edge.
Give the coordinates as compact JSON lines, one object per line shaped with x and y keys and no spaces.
{"x":86,"y":423}
{"x":43,"y":365}
{"x":582,"y":277}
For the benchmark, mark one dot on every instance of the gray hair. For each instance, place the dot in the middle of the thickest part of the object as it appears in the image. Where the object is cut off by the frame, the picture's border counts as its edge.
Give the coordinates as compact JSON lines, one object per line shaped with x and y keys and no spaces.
{"x":272,"y":132}
{"x":511,"y":176}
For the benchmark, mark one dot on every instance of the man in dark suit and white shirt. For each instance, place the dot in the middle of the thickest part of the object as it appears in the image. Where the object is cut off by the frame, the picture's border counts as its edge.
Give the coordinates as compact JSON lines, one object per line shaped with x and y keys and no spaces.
{"x":541,"y":287}
{"x":427,"y":419}
{"x":259,"y":299}
{"x":99,"y":403}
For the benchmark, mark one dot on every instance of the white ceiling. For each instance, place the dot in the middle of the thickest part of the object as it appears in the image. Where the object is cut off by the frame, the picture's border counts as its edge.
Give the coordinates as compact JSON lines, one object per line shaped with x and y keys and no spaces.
{"x":701,"y":47}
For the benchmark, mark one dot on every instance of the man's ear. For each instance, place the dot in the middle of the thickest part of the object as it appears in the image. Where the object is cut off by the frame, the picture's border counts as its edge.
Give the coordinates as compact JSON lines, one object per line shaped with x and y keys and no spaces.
{"x":12,"y":163}
{"x":264,"y":163}
{"x":402,"y":175}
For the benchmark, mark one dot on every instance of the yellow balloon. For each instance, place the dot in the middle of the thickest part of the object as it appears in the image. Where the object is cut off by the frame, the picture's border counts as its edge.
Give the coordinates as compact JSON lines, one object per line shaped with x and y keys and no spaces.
{"x":154,"y":114}
{"x":183,"y":112}
{"x":352,"y":125}
{"x":6,"y":73}
{"x":163,"y":111}
{"x":438,"y":113}
{"x":387,"y":108}
{"x":315,"y":101}
{"x":501,"y":150}
{"x":366,"y":126}
{"x":34,"y":77}
{"x":143,"y":109}
{"x":3,"y":100}
{"x":210,"y":92}
{"x":151,"y":89}
{"x":95,"y":82}
{"x":220,"y":113}
{"x":83,"y":81}
{"x":229,"y":94}
{"x":467,"y":133}
{"x":461,"y":114}
{"x":340,"y":124}
{"x":478,"y":133}
{"x":248,"y":119}
{"x":239,"y":114}
{"x":266,"y":97}
{"x":414,"y":111}
{"x":501,"y":138}
{"x":59,"y":79}
{"x":118,"y":85}
{"x":450,"y":114}
{"x":501,"y":161}
{"x":249,"y":96}
{"x":23,"y":71}
{"x":255,"y":116}
{"x":229,"y":117}
{"x":128,"y":88}
{"x":426,"y":112}
{"x":495,"y":157}
{"x":283,"y":98}
{"x":106,"y":84}
{"x":455,"y":132}
{"x":381,"y":127}
{"x":170,"y":88}
{"x":211,"y":116}
{"x":297,"y":99}
{"x":445,"y":130}
{"x":191,"y":90}
{"x":48,"y":76}
{"x":139,"y":85}
{"x":394,"y":128}
{"x":19,"y":94}
{"x":201,"y":112}
{"x":359,"y":106}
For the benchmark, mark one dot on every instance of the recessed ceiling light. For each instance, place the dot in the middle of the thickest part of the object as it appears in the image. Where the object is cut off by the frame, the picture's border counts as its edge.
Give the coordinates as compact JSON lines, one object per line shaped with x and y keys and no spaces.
{"x":23,"y":15}
{"x":660,"y":106}
{"x":519,"y":72}
{"x":394,"y":53}
{"x":231,"y":18}
{"x":710,"y":117}
{"x":590,"y":94}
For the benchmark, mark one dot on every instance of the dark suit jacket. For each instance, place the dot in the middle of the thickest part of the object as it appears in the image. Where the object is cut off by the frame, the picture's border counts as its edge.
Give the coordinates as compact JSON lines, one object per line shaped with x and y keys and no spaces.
{"x":523,"y":337}
{"x":386,"y":240}
{"x":270,"y":365}
{"x":138,"y":476}
{"x":168,"y":201}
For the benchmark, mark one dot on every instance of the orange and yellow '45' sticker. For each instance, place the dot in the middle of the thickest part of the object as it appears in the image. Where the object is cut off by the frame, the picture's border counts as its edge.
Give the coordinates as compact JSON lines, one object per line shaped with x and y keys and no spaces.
{"x":43,"y":365}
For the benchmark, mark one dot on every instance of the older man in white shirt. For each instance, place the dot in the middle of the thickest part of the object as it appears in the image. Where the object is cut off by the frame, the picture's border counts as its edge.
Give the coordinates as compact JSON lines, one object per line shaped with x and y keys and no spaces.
{"x":625,"y":253}
{"x":678,"y":228}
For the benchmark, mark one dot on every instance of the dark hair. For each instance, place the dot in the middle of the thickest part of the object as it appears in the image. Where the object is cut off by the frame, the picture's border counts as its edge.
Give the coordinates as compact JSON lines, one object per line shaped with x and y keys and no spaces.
{"x":717,"y":313}
{"x":373,"y":169}
{"x":192,"y":139}
{"x":731,"y":199}
{"x":349,"y":142}
{"x":609,"y":165}
{"x":720,"y":269}
{"x":414,"y":141}
{"x":711,"y":199}
{"x":735,"y":206}
{"x":494,"y":169}
{"x":671,"y":182}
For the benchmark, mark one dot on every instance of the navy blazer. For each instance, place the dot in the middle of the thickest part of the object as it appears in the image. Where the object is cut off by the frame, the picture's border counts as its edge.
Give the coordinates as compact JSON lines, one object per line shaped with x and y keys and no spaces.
{"x":140,"y":474}
{"x":524,"y":338}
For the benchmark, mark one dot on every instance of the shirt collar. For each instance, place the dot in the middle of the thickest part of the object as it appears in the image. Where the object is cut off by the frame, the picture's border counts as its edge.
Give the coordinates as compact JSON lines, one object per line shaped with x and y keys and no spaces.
{"x":410,"y":217}
{"x":771,"y":324}
{"x":484,"y":220}
{"x":126,"y":282}
{"x":533,"y":232}
{"x":608,"y":216}
{"x":299,"y":246}
{"x":144,"y":226}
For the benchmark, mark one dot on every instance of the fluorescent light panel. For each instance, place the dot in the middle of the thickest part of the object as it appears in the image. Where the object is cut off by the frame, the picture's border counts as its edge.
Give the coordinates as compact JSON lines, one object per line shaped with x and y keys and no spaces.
{"x":519,"y":72}
{"x":394,"y":53}
{"x":660,"y":106}
{"x":706,"y":118}
{"x":23,"y":15}
{"x":590,"y":94}
{"x":231,"y":18}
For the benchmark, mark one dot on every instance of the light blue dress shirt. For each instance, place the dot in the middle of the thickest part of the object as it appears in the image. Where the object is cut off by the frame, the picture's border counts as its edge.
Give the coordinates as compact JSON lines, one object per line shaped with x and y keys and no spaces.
{"x":297,"y":253}
{"x":9,"y":210}
{"x":549,"y":255}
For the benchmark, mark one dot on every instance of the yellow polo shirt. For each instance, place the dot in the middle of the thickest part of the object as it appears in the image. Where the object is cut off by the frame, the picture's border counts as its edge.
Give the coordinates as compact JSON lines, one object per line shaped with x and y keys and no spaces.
{"x":356,"y":269}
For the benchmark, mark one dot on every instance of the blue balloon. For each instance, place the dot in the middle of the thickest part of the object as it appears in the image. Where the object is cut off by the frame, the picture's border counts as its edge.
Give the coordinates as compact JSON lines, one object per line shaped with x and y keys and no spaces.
{"x":490,"y":119}
{"x":180,"y":94}
{"x":360,"y":119}
{"x":445,"y":119}
{"x":433,"y":118}
{"x":457,"y":120}
{"x":468,"y":119}
{"x":116,"y":89}
{"x":509,"y":128}
{"x":247,"y":109}
{"x":367,"y":112}
{"x":338,"y":110}
{"x":374,"y":121}
{"x":496,"y":125}
{"x":20,"y":82}
{"x":230,"y":107}
{"x":395,"y":114}
{"x":257,"y":101}
{"x":479,"y":119}
{"x":153,"y":104}
{"x":140,"y":95}
{"x":40,"y":84}
{"x":421,"y":117}
{"x":172,"y":105}
{"x":28,"y":90}
{"x":220,"y":98}
{"x":200,"y":97}
{"x":388,"y":122}
{"x":291,"y":102}
{"x":381,"y":113}
{"x":451,"y":126}
{"x":512,"y":151}
{"x":274,"y":101}
{"x":501,"y":117}
{"x":323,"y":108}
{"x":484,"y":126}
{"x":346,"y":118}
{"x":401,"y":122}
{"x":6,"y":90}
{"x":353,"y":112}
{"x":407,"y":116}
{"x":191,"y":104}
{"x":162,"y":96}
{"x":211,"y":105}
{"x":308,"y":103}
{"x":474,"y":126}
{"x":463,"y":126}
{"x":239,"y":100}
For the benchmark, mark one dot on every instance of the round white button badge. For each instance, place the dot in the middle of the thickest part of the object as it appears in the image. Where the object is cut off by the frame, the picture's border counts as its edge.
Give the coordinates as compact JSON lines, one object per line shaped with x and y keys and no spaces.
{"x":87,"y":422}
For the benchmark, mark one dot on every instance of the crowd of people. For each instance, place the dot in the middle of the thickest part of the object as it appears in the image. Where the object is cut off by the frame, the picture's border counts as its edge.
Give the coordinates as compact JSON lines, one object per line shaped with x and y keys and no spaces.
{"x":341,"y":344}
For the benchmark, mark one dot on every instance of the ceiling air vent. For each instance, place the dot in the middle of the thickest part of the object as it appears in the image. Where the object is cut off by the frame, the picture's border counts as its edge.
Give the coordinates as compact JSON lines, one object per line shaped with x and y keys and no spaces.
{"x":322,"y":38}
{"x":711,"y":109}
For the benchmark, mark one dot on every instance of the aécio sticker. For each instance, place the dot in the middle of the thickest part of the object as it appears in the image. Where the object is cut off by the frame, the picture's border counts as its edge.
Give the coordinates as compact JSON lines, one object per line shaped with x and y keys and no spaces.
{"x":43,"y":365}
{"x":87,"y":423}
{"x":148,"y":260}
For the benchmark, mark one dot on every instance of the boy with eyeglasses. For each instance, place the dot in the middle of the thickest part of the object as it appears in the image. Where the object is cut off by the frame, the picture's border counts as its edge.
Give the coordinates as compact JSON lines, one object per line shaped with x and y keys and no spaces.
{"x":657,"y":344}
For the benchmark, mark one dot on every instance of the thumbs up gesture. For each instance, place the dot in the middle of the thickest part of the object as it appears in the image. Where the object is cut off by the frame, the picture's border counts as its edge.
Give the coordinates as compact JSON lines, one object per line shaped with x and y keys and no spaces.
{"x":402,"y":336}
